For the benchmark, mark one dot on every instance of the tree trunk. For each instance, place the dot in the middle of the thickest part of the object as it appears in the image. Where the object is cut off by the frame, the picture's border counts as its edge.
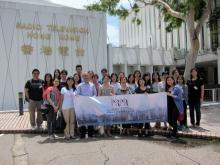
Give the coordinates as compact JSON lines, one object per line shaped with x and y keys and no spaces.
{"x":194,"y":48}
{"x":191,"y":58}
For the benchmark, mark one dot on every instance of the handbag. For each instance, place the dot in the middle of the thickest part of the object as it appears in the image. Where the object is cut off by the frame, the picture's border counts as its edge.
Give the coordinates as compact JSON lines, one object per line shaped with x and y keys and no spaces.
{"x":60,"y":124}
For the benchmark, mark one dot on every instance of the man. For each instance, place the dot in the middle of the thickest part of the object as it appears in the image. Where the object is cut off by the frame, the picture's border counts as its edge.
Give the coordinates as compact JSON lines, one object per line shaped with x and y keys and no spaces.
{"x":86,"y":89}
{"x":33,"y":93}
{"x":104,"y":72}
{"x":79,"y":72}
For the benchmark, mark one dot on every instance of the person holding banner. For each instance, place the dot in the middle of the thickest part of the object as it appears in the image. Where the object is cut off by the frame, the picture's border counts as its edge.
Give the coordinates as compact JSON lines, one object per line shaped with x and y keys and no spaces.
{"x":124,"y":90}
{"x":67,"y":97}
{"x":106,"y":90}
{"x":141,"y":89}
{"x":174,"y":104}
{"x":86,"y":89}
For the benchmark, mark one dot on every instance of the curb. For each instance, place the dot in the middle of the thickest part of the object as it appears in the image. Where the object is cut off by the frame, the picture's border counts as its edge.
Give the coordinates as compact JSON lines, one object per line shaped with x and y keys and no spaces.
{"x":151,"y":132}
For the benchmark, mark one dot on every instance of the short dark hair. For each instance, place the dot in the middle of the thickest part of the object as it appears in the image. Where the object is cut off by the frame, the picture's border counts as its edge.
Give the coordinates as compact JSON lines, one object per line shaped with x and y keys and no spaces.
{"x":64,"y":71}
{"x":104,"y":70}
{"x":35,"y":70}
{"x":78,"y":66}
{"x":165,"y":73}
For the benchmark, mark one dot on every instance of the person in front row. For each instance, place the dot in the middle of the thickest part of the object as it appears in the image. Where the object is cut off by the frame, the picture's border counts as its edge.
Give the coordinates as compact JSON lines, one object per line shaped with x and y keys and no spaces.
{"x":86,"y":89}
{"x":174,"y":104}
{"x":53,"y":102}
{"x":33,"y":94}
{"x":67,"y":97}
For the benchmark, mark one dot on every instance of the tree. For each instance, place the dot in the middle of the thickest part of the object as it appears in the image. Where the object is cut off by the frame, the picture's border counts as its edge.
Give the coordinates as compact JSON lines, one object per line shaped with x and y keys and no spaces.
{"x":193,"y":12}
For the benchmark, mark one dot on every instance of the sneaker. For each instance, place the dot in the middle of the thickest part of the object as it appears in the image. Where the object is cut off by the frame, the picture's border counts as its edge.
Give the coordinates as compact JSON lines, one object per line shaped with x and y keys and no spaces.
{"x":52,"y":137}
{"x":33,"y":127}
{"x":40,"y":128}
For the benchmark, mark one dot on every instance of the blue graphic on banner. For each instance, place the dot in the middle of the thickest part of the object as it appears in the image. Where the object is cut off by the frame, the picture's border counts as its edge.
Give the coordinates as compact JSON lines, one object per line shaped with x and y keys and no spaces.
{"x":121,"y":109}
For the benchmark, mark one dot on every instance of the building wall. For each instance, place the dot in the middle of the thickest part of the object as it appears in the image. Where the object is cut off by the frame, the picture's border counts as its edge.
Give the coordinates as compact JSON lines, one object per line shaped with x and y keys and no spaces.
{"x":16,"y":67}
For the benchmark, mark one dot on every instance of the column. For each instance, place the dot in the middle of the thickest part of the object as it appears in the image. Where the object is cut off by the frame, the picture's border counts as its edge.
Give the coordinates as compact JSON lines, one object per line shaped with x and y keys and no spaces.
{"x":109,"y":58}
{"x":218,"y":63}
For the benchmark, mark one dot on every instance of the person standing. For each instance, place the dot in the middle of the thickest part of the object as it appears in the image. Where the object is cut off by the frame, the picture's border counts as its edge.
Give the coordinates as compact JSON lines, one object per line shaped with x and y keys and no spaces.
{"x":131,"y":83}
{"x":141,"y":89}
{"x":67,"y":100}
{"x":76,"y":79}
{"x":95,"y":79}
{"x":56,"y":74}
{"x":114,"y":82}
{"x":79,"y":72}
{"x":137,"y":76}
{"x":174,"y":104}
{"x":123,"y":90}
{"x":148,"y":84}
{"x":104,"y":72}
{"x":63,"y":75}
{"x":181,"y":83}
{"x":34,"y":95}
{"x":86,"y":89}
{"x":53,"y":102}
{"x":195,"y":96}
{"x":106,"y":90}
{"x":48,"y":81}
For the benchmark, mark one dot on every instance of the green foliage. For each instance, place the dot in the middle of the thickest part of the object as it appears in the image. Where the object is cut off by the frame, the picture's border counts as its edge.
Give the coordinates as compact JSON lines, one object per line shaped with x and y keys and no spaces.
{"x":112,"y":8}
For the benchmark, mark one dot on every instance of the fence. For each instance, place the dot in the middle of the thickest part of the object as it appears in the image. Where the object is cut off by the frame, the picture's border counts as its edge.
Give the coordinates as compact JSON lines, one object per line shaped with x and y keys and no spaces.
{"x":212,"y":95}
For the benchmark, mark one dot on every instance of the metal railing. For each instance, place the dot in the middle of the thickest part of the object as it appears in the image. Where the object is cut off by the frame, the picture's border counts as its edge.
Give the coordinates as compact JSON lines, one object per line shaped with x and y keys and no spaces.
{"x":212,"y":95}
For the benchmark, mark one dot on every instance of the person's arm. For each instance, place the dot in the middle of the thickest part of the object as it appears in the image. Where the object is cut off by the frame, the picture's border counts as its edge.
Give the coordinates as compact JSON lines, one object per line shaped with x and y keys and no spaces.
{"x":112,"y":92}
{"x":51,"y":102}
{"x":202,"y":94}
{"x":26,"y":90}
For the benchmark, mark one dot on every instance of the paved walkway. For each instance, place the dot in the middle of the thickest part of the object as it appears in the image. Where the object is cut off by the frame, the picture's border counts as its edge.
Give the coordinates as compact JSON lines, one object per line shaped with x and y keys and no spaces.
{"x":11,"y":122}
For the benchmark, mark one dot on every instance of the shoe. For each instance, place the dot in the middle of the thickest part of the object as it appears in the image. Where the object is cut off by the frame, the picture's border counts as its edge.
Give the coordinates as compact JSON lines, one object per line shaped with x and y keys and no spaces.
{"x":33,"y":127}
{"x":197,"y":124}
{"x":52,"y":137}
{"x":67,"y":138}
{"x":40,"y":128}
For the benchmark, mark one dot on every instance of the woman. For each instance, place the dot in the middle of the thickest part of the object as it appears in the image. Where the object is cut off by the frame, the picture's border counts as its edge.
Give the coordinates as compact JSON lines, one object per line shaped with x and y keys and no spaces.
{"x":63,"y":75}
{"x":106,"y":90}
{"x":91,"y":74}
{"x":114,"y":82}
{"x":175,"y":74}
{"x":196,"y":96}
{"x":137,"y":76}
{"x":95,"y":80}
{"x":48,"y":81}
{"x":123,"y":90}
{"x":53,"y":103}
{"x":131,"y":83}
{"x":56,"y":74}
{"x":67,"y":99}
{"x":156,"y":89}
{"x":174,"y":104}
{"x":141,"y":89}
{"x":183,"y":86}
{"x":76,"y":79}
{"x":148,"y":84}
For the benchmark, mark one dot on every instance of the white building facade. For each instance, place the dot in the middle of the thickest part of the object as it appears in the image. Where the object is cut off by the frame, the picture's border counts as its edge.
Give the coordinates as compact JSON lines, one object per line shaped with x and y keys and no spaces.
{"x":151,"y":34}
{"x":46,"y":36}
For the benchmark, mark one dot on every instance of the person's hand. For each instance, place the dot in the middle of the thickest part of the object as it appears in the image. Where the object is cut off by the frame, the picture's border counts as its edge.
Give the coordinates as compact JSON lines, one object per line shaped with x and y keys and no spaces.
{"x":201,"y":100}
{"x":56,"y":108}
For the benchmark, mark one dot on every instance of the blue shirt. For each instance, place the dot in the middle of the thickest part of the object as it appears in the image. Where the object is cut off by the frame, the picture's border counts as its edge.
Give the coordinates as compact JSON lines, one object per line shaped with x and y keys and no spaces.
{"x":86,"y":89}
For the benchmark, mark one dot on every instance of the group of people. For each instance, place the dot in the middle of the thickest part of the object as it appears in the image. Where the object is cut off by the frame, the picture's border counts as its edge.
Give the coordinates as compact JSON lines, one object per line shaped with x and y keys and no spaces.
{"x":57,"y":93}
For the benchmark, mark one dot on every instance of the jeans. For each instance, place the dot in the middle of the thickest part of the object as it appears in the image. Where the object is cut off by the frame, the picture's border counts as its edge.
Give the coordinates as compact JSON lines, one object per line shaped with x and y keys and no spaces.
{"x":51,"y":120}
{"x":184,"y":122}
{"x":194,"y":105}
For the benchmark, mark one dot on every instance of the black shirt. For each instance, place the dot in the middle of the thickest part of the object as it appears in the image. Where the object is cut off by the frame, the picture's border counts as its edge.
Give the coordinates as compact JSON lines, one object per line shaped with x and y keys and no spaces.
{"x":194,"y":89}
{"x":35,"y":89}
{"x":139,"y":90}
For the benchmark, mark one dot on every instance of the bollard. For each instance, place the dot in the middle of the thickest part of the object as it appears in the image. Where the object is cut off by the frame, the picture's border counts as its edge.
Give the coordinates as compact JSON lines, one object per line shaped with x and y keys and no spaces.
{"x":20,"y":101}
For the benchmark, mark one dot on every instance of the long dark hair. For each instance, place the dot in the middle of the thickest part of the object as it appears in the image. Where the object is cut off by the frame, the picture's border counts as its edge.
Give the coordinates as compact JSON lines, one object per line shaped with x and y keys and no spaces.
{"x":139,"y":82}
{"x":149,"y":81}
{"x":56,"y":70}
{"x":195,"y":69}
{"x":157,"y":73}
{"x":168,"y":86}
{"x":115,"y":76}
{"x":51,"y":79}
{"x":137,"y":71}
{"x":70,"y":78}
{"x":129,"y":78}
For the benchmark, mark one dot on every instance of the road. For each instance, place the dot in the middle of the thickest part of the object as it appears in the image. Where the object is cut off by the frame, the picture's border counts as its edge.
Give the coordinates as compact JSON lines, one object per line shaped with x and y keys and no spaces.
{"x":33,"y":149}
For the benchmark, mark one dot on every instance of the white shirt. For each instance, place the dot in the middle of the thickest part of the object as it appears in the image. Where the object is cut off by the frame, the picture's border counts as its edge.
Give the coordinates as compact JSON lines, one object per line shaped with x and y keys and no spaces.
{"x":68,"y":99}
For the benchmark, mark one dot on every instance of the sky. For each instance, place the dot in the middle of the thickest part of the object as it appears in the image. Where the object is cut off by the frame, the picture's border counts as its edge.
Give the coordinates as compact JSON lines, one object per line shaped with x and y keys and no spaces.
{"x":112,"y":22}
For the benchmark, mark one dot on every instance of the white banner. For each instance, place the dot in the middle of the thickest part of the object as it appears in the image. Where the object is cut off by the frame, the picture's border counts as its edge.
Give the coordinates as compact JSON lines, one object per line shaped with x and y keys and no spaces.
{"x":121,"y":109}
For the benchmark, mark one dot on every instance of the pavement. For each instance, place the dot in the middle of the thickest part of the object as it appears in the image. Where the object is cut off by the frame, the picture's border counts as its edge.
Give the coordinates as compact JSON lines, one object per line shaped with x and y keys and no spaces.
{"x":33,"y":149}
